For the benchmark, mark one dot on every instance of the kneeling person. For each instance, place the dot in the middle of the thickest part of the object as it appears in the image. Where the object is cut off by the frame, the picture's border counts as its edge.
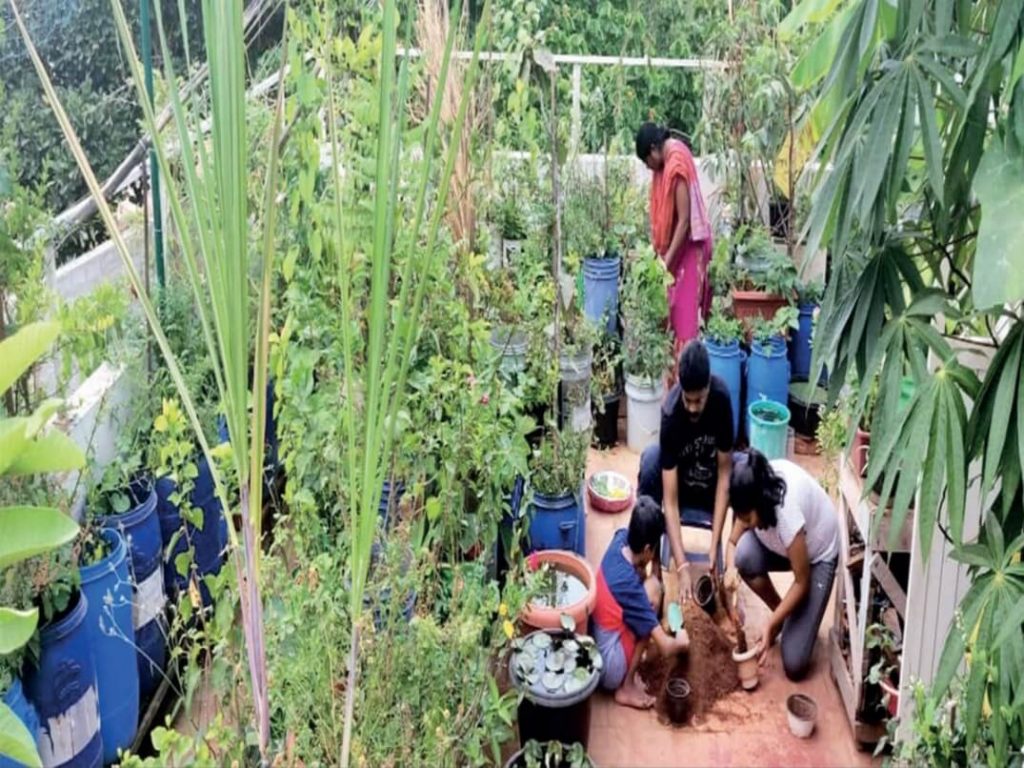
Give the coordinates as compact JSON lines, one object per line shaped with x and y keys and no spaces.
{"x":625,"y":621}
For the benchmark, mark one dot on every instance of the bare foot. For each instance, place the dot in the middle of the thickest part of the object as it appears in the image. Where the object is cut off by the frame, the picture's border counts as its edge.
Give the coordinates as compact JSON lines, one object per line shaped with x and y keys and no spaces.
{"x":633,"y":694}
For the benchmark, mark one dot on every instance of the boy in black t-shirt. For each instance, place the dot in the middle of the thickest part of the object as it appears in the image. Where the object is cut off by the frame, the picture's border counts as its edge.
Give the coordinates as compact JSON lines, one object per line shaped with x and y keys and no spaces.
{"x":688,"y":471}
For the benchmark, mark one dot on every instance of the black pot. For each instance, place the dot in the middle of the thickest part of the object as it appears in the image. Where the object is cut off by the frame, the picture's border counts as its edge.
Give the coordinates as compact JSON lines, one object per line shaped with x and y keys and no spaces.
{"x":606,"y":425}
{"x":677,"y":700}
{"x":804,"y":409}
{"x":704,"y":594}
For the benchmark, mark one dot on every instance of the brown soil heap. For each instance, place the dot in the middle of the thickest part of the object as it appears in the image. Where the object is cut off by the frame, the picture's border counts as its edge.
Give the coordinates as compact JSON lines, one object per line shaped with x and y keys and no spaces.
{"x":708,"y":667}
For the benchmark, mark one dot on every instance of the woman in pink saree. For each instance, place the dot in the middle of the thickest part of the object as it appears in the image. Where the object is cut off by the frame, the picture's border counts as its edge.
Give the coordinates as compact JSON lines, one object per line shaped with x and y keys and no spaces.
{"x":680,"y":229}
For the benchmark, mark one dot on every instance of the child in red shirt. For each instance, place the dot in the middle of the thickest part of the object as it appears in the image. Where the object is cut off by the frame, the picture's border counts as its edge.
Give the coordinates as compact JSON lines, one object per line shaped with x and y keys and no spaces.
{"x":625,"y":618}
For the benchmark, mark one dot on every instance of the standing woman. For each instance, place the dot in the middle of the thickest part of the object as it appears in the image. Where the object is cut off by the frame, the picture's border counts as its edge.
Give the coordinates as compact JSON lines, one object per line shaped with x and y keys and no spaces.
{"x":679,"y":227}
{"x":784,"y":521}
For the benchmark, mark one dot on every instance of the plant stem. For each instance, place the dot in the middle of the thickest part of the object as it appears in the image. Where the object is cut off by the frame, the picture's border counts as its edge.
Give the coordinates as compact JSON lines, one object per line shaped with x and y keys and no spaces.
{"x":350,"y":698}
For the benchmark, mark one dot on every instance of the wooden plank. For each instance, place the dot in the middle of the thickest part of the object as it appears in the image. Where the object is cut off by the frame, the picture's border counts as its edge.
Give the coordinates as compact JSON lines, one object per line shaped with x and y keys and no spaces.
{"x":889,"y":585}
{"x":841,"y":676}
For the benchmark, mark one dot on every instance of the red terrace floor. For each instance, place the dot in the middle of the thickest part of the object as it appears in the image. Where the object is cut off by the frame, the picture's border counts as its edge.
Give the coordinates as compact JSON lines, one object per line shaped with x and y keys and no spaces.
{"x":745,"y":729}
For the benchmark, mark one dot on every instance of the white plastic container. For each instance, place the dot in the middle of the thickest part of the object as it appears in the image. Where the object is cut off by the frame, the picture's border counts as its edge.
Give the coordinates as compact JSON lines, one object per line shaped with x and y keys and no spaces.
{"x":643,"y":415}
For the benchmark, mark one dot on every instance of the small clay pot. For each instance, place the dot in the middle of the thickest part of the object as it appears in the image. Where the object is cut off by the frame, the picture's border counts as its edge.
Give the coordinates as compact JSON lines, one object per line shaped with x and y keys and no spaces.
{"x":705,"y":594}
{"x":802,"y":713}
{"x":677,"y":702}
{"x":748,"y":668}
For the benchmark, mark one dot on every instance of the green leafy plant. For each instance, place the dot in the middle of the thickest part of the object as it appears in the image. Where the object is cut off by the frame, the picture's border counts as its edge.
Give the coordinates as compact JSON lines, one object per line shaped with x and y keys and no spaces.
{"x":786,"y":319}
{"x":559,"y":462}
{"x":831,"y":436}
{"x":27,"y":448}
{"x":646,"y":341}
{"x":722,"y":327}
{"x":555,"y":754}
{"x":604,"y":378}
{"x":810,"y":293}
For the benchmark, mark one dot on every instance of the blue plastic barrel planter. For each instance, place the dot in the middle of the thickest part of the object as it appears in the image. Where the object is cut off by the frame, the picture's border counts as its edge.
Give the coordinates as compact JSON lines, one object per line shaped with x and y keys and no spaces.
{"x":800,"y":345}
{"x":506,"y":530}
{"x":556,"y":522}
{"x":14,"y":698}
{"x":140,"y":528}
{"x":769,"y":428}
{"x":390,"y":495}
{"x":601,"y":291}
{"x":63,"y":690}
{"x":208,"y":543}
{"x":767,"y":374}
{"x":727,"y":364}
{"x":107,"y":587}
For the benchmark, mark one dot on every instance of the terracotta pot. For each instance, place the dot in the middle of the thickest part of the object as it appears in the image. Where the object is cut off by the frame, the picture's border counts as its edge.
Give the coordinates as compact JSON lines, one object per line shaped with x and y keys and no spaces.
{"x":748,"y":668}
{"x":678,"y":700}
{"x":750,"y":305}
{"x":892,"y":694}
{"x":541,"y":617}
{"x":802,"y":713}
{"x":859,"y":451}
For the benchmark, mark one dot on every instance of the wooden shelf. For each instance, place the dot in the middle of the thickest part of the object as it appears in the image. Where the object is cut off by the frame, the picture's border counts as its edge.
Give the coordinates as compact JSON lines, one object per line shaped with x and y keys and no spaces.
{"x":863,"y":511}
{"x":864,"y":573}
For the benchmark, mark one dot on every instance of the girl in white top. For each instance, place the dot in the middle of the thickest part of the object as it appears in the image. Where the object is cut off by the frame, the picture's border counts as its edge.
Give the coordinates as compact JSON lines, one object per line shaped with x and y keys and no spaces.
{"x":783,"y":521}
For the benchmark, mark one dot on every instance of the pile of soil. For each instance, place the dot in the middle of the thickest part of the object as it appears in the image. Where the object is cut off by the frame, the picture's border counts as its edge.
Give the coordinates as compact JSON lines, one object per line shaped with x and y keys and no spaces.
{"x":708,"y":667}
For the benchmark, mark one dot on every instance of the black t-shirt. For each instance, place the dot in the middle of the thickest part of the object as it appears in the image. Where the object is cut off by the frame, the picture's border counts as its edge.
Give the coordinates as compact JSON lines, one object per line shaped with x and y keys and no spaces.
{"x":692,"y":446}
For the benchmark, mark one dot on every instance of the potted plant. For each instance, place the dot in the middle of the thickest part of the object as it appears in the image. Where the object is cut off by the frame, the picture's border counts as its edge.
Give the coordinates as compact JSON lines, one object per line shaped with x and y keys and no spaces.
{"x":555,"y":513}
{"x":606,"y":391}
{"x":565,"y":585}
{"x":69,"y":713}
{"x":767,"y":279}
{"x":550,"y":754}
{"x":884,"y":653}
{"x":800,"y":349}
{"x":32,"y":548}
{"x":722,"y":334}
{"x":768,"y":366}
{"x":646,"y":346}
{"x":833,"y":427}
{"x":557,"y":671}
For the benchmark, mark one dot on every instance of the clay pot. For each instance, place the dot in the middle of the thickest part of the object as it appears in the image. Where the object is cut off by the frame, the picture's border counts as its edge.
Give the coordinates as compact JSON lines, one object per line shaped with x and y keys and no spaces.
{"x":892,"y":694}
{"x":678,"y":700}
{"x":705,"y":594}
{"x":802,"y":713}
{"x":541,"y":617}
{"x":748,"y":668}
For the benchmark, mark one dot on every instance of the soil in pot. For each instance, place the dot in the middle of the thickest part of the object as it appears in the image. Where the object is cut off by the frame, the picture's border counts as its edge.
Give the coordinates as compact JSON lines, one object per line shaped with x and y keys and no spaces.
{"x":705,"y":594}
{"x":802,"y":713}
{"x":708,"y":666}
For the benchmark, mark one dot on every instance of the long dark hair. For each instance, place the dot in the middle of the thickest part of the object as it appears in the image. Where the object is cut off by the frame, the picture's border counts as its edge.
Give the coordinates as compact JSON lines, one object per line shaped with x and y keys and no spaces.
{"x":651,"y":136}
{"x":754,"y":485}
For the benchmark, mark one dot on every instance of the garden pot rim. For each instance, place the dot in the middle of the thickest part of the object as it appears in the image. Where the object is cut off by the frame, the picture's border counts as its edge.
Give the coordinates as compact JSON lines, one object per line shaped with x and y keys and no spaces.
{"x":758,"y":296}
{"x":644,"y":382}
{"x":749,"y":654}
{"x":548,"y":619}
{"x":511,"y":763}
{"x":678,"y":682}
{"x":68,"y":621}
{"x":87,"y":574}
{"x":548,"y":699}
{"x":802,"y":707}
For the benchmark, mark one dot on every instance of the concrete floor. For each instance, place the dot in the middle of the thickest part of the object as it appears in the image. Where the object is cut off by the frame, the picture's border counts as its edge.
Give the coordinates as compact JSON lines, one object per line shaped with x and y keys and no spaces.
{"x":744,"y":729}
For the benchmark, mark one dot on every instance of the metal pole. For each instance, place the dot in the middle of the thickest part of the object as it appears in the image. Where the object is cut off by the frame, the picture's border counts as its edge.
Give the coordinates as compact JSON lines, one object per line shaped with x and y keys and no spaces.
{"x":154,"y":173}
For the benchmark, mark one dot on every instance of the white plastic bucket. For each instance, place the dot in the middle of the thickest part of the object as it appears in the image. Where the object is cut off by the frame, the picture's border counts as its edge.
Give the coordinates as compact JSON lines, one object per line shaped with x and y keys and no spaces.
{"x":643,"y":422}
